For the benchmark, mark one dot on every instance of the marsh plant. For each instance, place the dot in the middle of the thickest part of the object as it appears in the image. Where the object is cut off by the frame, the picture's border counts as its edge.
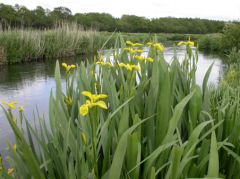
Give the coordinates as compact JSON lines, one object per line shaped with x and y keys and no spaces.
{"x":133,"y":116}
{"x":22,"y":45}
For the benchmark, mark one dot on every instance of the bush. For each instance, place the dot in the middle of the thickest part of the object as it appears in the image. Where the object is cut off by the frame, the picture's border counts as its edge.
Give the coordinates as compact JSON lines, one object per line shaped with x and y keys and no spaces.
{"x":231,"y":37}
{"x":211,"y":42}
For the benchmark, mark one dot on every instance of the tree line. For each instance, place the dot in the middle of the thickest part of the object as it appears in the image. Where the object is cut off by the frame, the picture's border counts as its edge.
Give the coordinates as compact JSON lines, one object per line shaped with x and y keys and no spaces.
{"x":21,"y":17}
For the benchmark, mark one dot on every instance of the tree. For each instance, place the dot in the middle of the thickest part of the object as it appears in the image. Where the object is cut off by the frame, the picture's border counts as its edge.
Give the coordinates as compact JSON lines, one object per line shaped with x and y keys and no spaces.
{"x":61,"y":14}
{"x":7,"y":15}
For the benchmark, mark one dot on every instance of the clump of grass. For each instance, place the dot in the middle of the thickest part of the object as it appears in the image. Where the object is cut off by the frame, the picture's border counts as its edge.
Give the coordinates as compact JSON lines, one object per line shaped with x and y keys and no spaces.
{"x":132,"y":118}
{"x":64,"y":40}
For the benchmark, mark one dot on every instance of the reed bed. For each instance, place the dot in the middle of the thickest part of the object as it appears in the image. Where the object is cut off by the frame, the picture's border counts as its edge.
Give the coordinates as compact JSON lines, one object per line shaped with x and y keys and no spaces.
{"x":132,"y":116}
{"x":21,"y":45}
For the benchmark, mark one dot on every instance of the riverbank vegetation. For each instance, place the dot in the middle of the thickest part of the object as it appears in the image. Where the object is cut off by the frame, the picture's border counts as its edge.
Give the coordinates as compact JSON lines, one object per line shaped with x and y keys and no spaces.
{"x":22,"y":45}
{"x":222,"y":42}
{"x":28,"y":35}
{"x":65,"y":40}
{"x":133,"y":116}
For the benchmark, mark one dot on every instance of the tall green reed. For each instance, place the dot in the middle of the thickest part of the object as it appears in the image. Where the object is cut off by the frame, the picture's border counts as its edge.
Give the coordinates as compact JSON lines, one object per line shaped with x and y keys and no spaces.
{"x":21,"y":45}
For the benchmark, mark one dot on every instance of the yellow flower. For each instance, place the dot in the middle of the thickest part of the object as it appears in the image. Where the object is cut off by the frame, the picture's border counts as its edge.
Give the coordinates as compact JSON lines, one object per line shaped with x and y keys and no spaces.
{"x":131,"y":50}
{"x":133,"y":44}
{"x":159,"y":47}
{"x":181,"y":43}
{"x":11,"y":105}
{"x":20,"y":109}
{"x":64,"y":65}
{"x":122,"y":65}
{"x":100,"y":104}
{"x":129,"y":43}
{"x":135,"y":67}
{"x":73,"y":66}
{"x":94,"y":97}
{"x":150,"y":43}
{"x":94,"y":101}
{"x":129,"y":67}
{"x":137,"y":45}
{"x":14,"y":147}
{"x":140,"y":58}
{"x":108,"y":64}
{"x":187,"y":43}
{"x":138,"y":51}
{"x":84,"y":110}
{"x":149,"y":59}
{"x":84,"y":138}
{"x":10,"y":171}
{"x":104,"y":63}
{"x":68,"y":67}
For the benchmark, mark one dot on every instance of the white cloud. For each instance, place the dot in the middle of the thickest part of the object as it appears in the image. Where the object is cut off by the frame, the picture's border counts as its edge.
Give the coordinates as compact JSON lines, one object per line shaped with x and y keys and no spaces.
{"x":213,"y":9}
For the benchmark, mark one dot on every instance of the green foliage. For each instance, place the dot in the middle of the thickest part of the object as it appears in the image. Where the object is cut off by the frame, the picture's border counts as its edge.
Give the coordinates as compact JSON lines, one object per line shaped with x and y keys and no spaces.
{"x":65,"y":40}
{"x":159,"y":124}
{"x":224,"y":42}
{"x":232,"y":74}
{"x":231,"y":36}
{"x":20,"y":16}
{"x":211,"y":42}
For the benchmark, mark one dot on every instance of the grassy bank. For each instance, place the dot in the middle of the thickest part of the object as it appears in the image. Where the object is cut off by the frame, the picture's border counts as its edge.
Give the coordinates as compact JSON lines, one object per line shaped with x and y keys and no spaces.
{"x":24,"y":45}
{"x":132,"y":117}
{"x":67,"y":40}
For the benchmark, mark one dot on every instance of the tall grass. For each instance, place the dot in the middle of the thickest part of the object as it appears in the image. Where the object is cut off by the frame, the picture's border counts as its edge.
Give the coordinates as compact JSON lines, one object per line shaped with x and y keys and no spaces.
{"x":159,"y":123}
{"x":23,"y":45}
{"x":64,"y":40}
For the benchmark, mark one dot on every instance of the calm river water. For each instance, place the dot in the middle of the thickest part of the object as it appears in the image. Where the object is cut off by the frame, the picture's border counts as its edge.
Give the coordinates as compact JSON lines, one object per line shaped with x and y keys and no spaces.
{"x":30,"y":85}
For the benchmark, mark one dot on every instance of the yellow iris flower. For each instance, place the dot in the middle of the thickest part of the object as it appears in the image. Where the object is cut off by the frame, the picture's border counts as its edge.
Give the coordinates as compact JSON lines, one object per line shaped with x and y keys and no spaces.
{"x":68,"y":67}
{"x":131,"y":50}
{"x":104,"y":63}
{"x":10,"y":171}
{"x":94,"y":100}
{"x":157,"y":46}
{"x":129,"y":67}
{"x":84,"y":110}
{"x":149,"y":59}
{"x":15,"y":147}
{"x":20,"y":109}
{"x":133,"y":44}
{"x":187,"y":43}
{"x":11,"y":105}
{"x":141,"y":58}
{"x":94,"y":97}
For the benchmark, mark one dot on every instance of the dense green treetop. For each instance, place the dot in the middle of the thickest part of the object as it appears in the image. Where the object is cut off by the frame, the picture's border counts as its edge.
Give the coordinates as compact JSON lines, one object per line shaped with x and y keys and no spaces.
{"x":19,"y":16}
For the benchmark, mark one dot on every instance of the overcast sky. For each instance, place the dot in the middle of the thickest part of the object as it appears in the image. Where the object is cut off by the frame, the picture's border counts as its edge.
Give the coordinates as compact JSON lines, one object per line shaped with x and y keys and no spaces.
{"x":210,"y":9}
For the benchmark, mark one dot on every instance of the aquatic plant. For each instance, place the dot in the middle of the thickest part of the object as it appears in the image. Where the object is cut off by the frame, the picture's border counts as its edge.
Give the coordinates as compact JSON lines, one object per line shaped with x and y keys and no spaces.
{"x":153,"y":123}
